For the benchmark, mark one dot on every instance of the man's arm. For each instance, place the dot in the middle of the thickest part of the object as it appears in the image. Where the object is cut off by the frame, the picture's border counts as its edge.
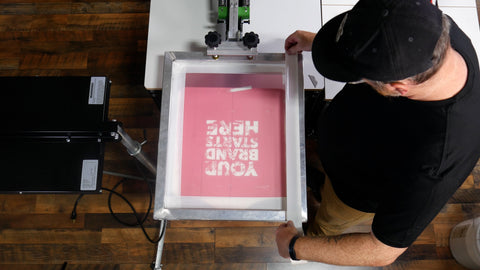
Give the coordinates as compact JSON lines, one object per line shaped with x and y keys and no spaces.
{"x":359,"y":249}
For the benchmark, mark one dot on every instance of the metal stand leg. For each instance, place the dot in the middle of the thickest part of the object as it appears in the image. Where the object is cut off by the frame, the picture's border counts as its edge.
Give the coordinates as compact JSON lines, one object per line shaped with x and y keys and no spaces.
{"x":134,"y":148}
{"x":158,"y":260}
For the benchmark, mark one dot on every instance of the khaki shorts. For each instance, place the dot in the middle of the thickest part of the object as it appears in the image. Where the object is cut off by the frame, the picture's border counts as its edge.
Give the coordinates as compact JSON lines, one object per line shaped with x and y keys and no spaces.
{"x":333,"y":217}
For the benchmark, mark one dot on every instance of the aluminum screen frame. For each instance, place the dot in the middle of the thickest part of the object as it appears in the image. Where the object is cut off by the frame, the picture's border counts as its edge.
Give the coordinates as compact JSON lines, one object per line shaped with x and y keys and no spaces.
{"x":176,"y":65}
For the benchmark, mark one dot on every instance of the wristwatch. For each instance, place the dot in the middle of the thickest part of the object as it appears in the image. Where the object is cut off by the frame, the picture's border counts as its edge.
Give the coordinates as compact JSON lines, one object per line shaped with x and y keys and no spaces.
{"x":291,"y":249}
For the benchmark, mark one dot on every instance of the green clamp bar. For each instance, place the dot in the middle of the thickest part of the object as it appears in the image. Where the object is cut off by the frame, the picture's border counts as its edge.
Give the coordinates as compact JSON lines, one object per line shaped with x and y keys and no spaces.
{"x":223,"y":13}
{"x":244,"y":13}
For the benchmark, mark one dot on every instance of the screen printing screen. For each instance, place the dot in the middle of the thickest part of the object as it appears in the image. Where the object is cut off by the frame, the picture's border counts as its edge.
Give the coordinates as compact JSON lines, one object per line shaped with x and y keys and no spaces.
{"x":233,"y":141}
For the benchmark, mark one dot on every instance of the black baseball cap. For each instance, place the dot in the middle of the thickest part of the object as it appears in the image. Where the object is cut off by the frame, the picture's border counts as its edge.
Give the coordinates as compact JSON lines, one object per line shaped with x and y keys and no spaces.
{"x":381,"y":40}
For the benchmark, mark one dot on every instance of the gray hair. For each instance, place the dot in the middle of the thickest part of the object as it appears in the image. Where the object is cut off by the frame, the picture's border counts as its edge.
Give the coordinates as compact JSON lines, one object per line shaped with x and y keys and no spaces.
{"x":438,"y":55}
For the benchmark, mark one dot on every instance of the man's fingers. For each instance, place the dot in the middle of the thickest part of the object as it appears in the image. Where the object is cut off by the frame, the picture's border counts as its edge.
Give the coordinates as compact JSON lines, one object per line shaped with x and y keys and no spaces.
{"x":290,"y":224}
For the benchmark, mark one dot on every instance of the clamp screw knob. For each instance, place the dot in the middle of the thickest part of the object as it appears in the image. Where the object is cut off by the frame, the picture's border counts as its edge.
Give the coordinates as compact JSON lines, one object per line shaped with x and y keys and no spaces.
{"x":251,"y":40}
{"x":213,"y":39}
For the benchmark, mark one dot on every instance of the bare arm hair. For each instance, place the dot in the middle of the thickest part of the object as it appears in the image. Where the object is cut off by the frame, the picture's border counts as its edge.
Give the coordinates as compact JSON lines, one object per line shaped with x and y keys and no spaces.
{"x":361,"y":249}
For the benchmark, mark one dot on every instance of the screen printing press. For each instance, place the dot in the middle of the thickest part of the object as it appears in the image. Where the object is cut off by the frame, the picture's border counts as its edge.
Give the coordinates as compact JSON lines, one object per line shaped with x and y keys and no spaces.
{"x":231,"y":141}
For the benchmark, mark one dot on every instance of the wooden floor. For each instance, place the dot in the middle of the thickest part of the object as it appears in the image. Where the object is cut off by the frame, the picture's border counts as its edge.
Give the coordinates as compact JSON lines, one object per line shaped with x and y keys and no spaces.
{"x":75,"y":37}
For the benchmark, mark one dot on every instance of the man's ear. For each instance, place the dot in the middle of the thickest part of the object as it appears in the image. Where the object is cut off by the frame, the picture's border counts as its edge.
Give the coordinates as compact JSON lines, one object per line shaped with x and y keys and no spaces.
{"x":402,"y":87}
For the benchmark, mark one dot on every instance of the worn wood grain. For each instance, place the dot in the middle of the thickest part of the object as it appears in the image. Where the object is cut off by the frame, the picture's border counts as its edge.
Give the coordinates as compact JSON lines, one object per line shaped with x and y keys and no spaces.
{"x":49,"y":236}
{"x":93,"y":37}
{"x":245,"y":237}
{"x":99,"y":221}
{"x":93,"y":203}
{"x":71,"y":60}
{"x":222,"y":224}
{"x":15,"y":204}
{"x":188,"y":253}
{"x":466,"y":196}
{"x":426,"y":265}
{"x":126,"y":235}
{"x":248,"y":255}
{"x":32,"y":266}
{"x":427,"y":237}
{"x":40,"y":221}
{"x":217,"y":266}
{"x":190,"y":235}
{"x":419,"y":252}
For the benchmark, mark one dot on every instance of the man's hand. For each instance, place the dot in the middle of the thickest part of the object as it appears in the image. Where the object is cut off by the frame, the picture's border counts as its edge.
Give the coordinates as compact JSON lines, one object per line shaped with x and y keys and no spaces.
{"x":299,"y":41}
{"x":285,"y":233}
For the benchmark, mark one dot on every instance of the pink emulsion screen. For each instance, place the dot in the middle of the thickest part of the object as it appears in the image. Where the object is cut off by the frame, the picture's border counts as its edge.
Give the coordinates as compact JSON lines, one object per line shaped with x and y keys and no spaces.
{"x":233,"y":136}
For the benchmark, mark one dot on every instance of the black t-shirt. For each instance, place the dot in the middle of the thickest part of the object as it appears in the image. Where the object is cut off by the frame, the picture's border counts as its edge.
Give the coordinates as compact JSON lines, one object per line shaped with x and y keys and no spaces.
{"x":399,"y":158}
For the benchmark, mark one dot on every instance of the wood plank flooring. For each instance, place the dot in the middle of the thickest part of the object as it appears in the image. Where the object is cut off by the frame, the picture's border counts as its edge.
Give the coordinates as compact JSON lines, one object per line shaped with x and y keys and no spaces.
{"x":89,"y":37}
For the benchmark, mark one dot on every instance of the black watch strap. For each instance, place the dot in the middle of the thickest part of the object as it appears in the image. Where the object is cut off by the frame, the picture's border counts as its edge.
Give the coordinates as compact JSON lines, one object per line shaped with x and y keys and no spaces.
{"x":291,"y":249}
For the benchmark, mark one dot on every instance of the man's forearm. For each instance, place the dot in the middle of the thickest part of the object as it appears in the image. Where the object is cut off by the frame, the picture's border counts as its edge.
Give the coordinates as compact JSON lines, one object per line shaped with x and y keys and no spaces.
{"x":361,"y":249}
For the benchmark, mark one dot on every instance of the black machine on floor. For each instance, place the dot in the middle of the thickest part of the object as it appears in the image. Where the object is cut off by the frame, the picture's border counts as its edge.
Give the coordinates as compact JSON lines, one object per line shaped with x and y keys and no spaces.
{"x":53,"y":132}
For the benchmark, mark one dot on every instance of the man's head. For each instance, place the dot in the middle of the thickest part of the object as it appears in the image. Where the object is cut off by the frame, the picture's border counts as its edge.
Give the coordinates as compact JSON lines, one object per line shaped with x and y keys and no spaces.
{"x":394,"y":89}
{"x":380,"y":40}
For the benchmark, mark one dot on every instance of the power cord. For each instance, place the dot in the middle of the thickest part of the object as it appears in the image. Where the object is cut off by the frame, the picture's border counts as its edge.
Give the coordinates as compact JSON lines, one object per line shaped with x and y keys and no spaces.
{"x":112,"y":192}
{"x":73,"y":216}
{"x":139,"y":220}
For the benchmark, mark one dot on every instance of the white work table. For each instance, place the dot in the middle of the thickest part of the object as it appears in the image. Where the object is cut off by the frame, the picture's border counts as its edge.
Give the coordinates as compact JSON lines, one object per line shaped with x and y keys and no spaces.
{"x":181,"y":25}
